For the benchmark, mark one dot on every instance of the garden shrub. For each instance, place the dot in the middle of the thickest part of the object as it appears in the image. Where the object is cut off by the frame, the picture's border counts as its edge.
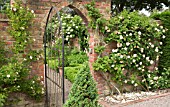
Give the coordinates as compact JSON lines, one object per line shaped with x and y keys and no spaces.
{"x":164,"y":61}
{"x":2,"y":99}
{"x":72,"y":71}
{"x":83,"y":92}
{"x":139,"y":39}
{"x":15,"y":74}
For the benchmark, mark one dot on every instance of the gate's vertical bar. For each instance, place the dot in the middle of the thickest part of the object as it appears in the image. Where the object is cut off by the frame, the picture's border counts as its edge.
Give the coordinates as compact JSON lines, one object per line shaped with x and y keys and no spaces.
{"x":63,"y":88}
{"x":45,"y":60}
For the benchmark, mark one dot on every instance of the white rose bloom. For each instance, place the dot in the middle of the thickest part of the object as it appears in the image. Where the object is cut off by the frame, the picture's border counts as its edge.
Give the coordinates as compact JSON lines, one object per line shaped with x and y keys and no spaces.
{"x":128,"y":56}
{"x":147,"y":58}
{"x":139,"y":33}
{"x":149,"y":75}
{"x":163,"y":31}
{"x":71,"y":36}
{"x":112,"y":65}
{"x":114,"y":50}
{"x":155,"y":78}
{"x":130,"y":34}
{"x":152,"y":46}
{"x":136,"y":85}
{"x":151,"y":62}
{"x":143,"y":80}
{"x":156,"y":68}
{"x":142,"y":49}
{"x":68,"y":32}
{"x":132,"y":81}
{"x":143,"y":55}
{"x":66,"y":39}
{"x":77,"y":27}
{"x":163,"y":36}
{"x":121,"y":56}
{"x":127,"y":43}
{"x":119,"y":45}
{"x":106,"y":27}
{"x":134,"y":55}
{"x":161,"y":27}
{"x":157,"y":58}
{"x":108,"y":30}
{"x":160,"y":43}
{"x":121,"y":37}
{"x":125,"y":81}
{"x":30,"y":57}
{"x":140,"y":63}
{"x":71,"y":30}
{"x":137,"y":65}
{"x":134,"y":60}
{"x":139,"y":68}
{"x":143,"y":69}
{"x":14,"y":9}
{"x":8,"y":75}
{"x":125,"y":48}
{"x":32,"y":11}
{"x":156,"y":49}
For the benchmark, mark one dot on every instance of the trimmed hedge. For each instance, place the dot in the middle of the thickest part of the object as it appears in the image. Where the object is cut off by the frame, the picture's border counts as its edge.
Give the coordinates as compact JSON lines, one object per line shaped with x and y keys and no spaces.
{"x":83,"y":92}
{"x":164,"y":61}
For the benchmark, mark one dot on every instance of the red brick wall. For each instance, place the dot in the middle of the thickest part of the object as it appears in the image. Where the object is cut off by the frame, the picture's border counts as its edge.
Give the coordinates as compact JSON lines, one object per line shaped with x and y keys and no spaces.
{"x":41,"y":8}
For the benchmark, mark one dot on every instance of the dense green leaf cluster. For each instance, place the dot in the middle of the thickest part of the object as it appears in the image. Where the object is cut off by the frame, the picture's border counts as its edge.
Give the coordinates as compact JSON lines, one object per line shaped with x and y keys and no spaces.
{"x":15,"y":73}
{"x":72,"y":27}
{"x":83,"y":92}
{"x":164,"y":61}
{"x":3,"y":51}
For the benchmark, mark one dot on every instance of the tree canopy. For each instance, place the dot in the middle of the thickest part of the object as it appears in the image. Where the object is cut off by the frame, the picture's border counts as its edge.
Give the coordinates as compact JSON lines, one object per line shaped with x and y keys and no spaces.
{"x":119,"y":5}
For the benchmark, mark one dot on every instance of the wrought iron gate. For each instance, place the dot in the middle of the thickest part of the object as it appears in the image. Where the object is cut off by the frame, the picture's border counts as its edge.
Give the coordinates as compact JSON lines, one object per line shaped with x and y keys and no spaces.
{"x":54,"y":60}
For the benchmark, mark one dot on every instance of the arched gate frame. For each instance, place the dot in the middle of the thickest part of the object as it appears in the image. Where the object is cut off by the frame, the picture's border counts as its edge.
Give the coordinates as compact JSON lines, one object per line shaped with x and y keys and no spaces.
{"x":54,"y":60}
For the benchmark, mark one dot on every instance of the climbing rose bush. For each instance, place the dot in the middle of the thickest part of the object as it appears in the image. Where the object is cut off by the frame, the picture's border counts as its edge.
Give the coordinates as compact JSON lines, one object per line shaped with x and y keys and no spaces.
{"x":139,"y":41}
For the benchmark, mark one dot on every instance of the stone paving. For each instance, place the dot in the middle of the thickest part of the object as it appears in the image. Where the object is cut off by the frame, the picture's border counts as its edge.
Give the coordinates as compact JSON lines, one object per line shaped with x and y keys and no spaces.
{"x":162,"y":100}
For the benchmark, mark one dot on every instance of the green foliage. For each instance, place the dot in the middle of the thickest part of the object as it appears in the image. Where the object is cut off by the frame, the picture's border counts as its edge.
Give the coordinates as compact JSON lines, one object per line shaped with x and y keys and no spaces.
{"x":20,"y":21}
{"x":15,"y":72}
{"x":131,"y":5}
{"x":14,"y":78}
{"x":3,"y":5}
{"x":72,"y":27}
{"x":164,"y":61}
{"x":99,"y":49}
{"x":72,"y":71}
{"x":83,"y":92}
{"x":139,"y":41}
{"x":3,"y":59}
{"x":75,"y":59}
{"x":2,"y":99}
{"x":93,"y":13}
{"x":97,"y":21}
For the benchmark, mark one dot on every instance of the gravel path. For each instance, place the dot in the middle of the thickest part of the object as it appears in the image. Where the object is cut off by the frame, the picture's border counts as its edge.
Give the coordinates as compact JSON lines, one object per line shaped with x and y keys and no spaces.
{"x":163,"y":101}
